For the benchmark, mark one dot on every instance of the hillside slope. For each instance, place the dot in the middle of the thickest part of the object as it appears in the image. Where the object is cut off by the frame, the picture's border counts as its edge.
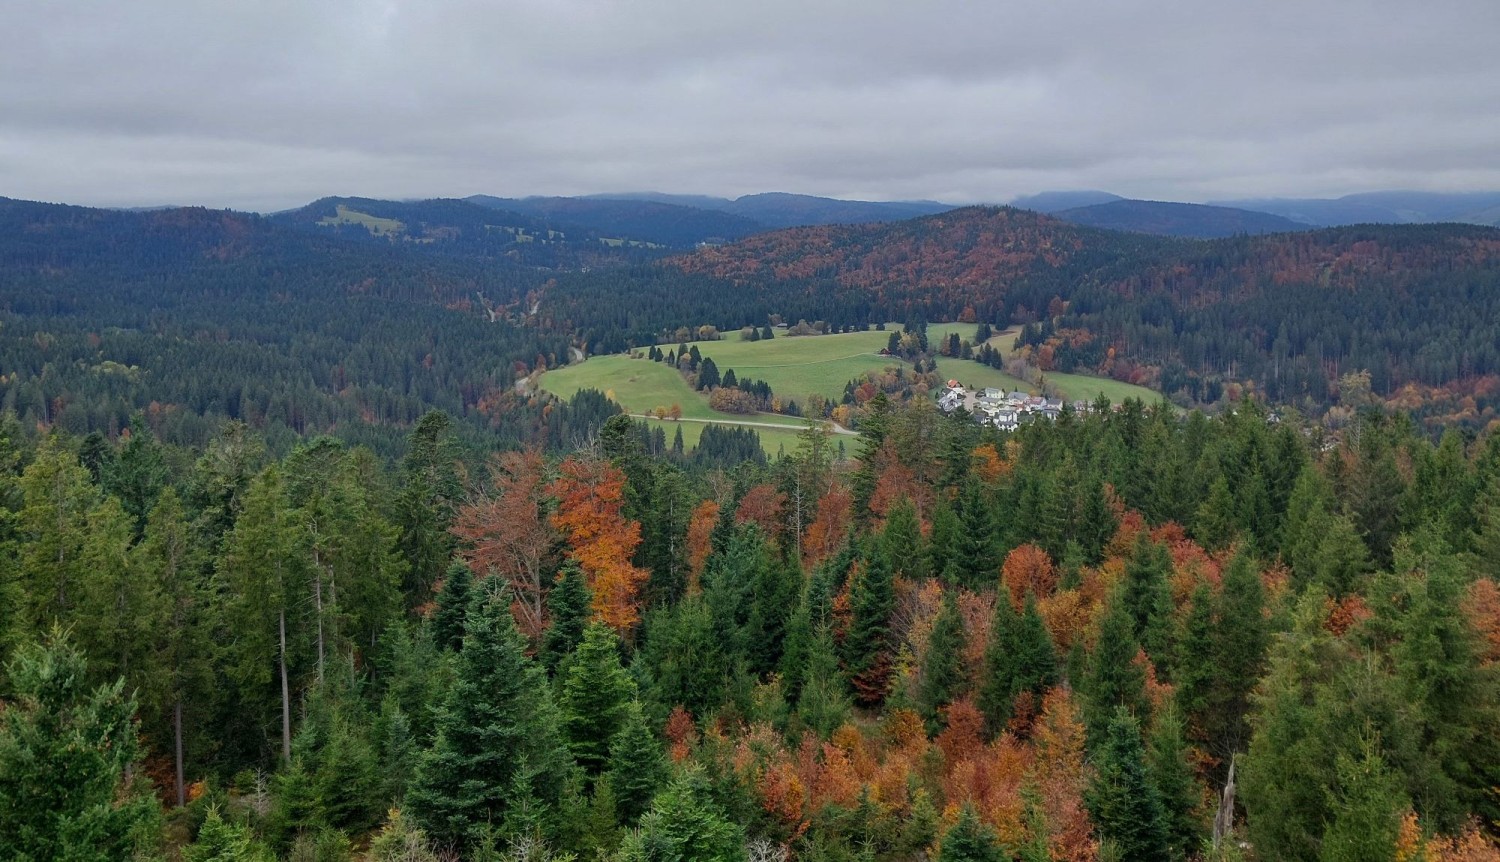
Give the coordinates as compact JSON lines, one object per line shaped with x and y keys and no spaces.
{"x":195,"y":316}
{"x":1417,"y":306}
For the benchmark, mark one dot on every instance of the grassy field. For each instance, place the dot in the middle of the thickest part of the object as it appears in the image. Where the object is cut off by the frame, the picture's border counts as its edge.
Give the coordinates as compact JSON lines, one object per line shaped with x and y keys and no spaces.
{"x":794,"y":367}
{"x":1084,"y":387}
{"x":977,"y":376}
{"x":374,"y":224}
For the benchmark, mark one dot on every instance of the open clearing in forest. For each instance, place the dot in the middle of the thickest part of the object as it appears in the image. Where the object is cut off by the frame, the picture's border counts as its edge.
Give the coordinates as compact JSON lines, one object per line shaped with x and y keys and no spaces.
{"x":374,"y":224}
{"x":794,"y":367}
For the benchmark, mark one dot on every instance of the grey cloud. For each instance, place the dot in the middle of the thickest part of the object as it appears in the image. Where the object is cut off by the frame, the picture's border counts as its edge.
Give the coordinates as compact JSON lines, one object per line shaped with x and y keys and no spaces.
{"x":271,"y":104}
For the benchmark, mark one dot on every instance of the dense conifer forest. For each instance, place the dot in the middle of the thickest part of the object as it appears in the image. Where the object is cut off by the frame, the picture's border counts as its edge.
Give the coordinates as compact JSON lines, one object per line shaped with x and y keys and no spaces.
{"x":296,"y":564}
{"x":1123,"y":635}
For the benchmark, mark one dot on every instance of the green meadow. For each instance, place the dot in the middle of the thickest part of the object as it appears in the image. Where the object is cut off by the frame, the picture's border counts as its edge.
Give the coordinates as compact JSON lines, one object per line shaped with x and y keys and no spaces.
{"x":374,"y":224}
{"x":794,"y":367}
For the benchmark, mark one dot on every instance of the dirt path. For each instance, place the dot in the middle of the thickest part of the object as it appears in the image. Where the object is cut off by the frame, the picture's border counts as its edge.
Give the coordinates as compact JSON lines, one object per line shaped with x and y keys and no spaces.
{"x":837,"y":428}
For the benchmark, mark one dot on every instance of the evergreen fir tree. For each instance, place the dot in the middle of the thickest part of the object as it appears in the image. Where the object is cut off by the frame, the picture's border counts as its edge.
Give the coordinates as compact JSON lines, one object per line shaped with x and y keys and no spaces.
{"x":687,"y":661}
{"x":1149,"y":599}
{"x":221,"y":841}
{"x":452,"y":604}
{"x":970,"y":840}
{"x":773,"y":597}
{"x":1196,"y":671}
{"x":943,"y":542}
{"x":1173,"y":777}
{"x":867,"y":646}
{"x":902,"y":540}
{"x":942,"y":669}
{"x":497,"y":721}
{"x":1114,"y":679}
{"x":1096,"y":523}
{"x":978,"y":556}
{"x":637,"y":766}
{"x":568,"y":606}
{"x":797,"y":647}
{"x":999,"y":685}
{"x":1216,"y":524}
{"x":1125,"y":804}
{"x":595,"y":697}
{"x":67,"y":751}
{"x":1367,"y":811}
{"x":1240,"y":637}
{"x":1036,"y":656}
{"x":425,"y":504}
{"x":823,"y":703}
{"x":685,"y":823}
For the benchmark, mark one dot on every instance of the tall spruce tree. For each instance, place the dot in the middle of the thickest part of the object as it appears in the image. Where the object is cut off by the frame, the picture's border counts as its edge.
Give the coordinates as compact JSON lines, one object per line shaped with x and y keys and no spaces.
{"x":1125,"y":803}
{"x":497,"y":740}
{"x":595,"y":695}
{"x":262,"y":570}
{"x":685,"y":823}
{"x":182,"y":646}
{"x":1367,"y":810}
{"x":1172,"y":774}
{"x":868,"y":645}
{"x":568,"y":606}
{"x":453,"y":600}
{"x":823,"y":703}
{"x":637,"y":765}
{"x":999,"y":685}
{"x":1149,"y":599}
{"x":1114,"y":680}
{"x":425,"y":504}
{"x":1239,"y":640}
{"x":942,"y":668}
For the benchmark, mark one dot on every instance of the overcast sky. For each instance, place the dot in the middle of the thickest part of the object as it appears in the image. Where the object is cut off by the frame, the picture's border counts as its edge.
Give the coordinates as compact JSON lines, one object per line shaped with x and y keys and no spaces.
{"x":265,"y":105}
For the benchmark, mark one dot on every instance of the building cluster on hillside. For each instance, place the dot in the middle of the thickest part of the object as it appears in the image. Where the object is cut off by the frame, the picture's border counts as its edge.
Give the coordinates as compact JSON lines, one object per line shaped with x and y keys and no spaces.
{"x":1004,"y":410}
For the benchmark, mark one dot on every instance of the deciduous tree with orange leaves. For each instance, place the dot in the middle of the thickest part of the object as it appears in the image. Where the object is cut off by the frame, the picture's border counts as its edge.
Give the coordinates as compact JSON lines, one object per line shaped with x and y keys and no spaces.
{"x":590,"y":496}
{"x":505,"y":532}
{"x":1028,"y":568}
{"x":700,"y":533}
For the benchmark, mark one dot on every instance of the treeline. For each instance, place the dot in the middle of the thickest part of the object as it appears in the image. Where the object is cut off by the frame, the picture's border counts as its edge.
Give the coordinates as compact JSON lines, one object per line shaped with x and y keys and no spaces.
{"x":1058,"y":643}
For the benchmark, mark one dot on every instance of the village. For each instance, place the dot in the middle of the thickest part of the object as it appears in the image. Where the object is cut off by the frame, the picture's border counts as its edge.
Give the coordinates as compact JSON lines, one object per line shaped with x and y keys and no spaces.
{"x":1004,"y":410}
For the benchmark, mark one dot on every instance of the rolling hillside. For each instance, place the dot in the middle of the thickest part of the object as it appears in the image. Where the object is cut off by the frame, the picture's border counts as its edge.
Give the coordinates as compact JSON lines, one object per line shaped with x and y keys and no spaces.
{"x":1284,"y":315}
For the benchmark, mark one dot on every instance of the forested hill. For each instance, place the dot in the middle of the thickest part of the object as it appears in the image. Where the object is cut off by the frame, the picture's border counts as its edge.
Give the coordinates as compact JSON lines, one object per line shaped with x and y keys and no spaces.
{"x":463,"y":228}
{"x":1417,"y":306}
{"x":668,"y":224}
{"x":195,"y":316}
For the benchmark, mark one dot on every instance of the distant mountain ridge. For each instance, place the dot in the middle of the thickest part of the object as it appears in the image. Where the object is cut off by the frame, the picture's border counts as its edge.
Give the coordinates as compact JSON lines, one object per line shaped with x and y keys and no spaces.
{"x":1393,"y":207}
{"x":671,"y":224}
{"x":1051,"y":202}
{"x":1383,"y":207}
{"x":1167,"y":218}
{"x":784,"y":209}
